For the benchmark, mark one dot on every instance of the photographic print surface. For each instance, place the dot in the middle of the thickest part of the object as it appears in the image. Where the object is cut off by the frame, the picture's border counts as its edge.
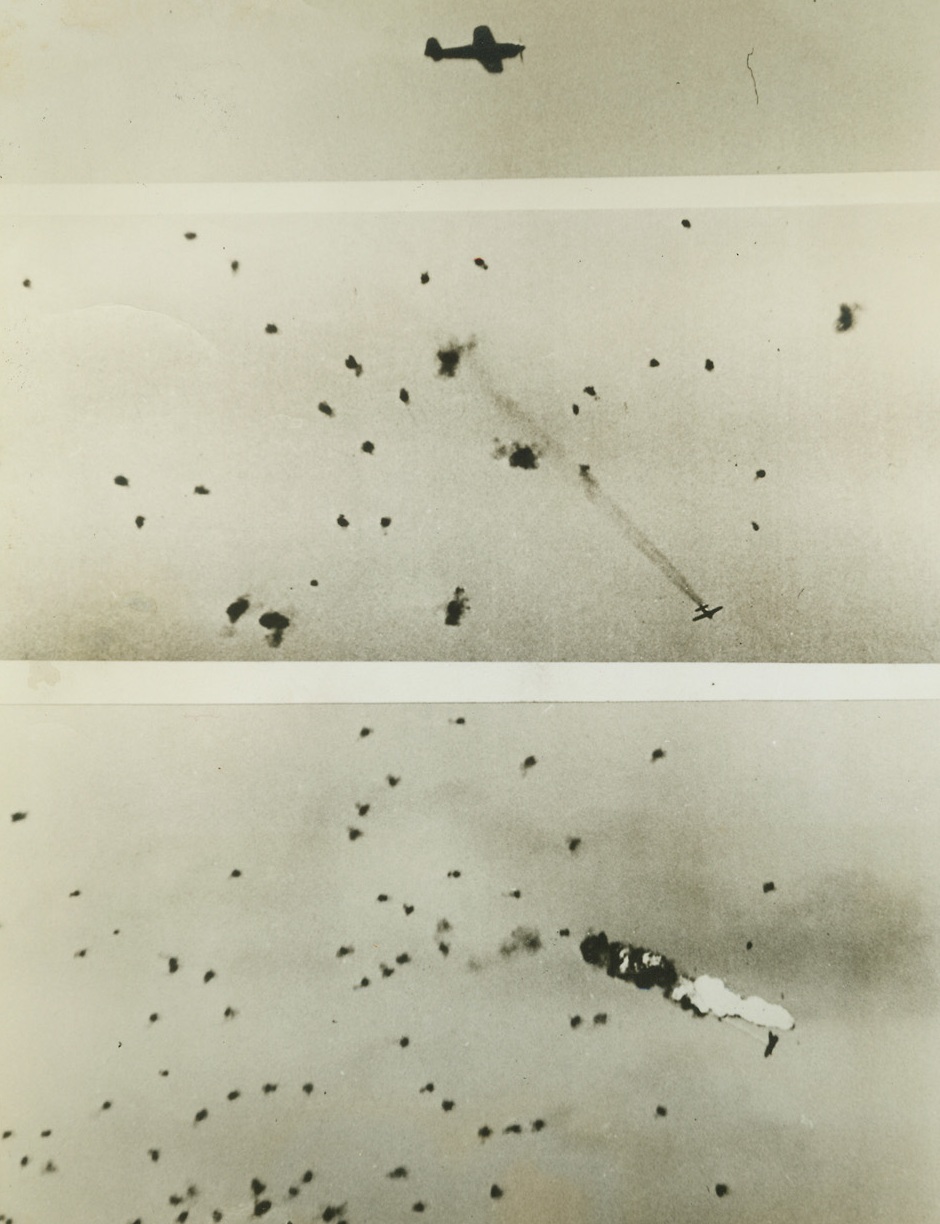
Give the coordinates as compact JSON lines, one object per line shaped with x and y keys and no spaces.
{"x":310,"y":90}
{"x":518,"y":962}
{"x":635,"y":435}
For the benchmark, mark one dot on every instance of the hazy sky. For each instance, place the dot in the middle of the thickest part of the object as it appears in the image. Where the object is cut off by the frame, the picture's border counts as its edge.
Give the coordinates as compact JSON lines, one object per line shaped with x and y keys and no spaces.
{"x":145,"y":813}
{"x":139,"y":353}
{"x":240,"y":90}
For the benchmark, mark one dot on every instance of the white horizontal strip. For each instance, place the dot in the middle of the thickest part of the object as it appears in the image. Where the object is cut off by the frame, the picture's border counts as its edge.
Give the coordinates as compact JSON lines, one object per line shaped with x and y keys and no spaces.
{"x":105,"y":683}
{"x":477,"y":195}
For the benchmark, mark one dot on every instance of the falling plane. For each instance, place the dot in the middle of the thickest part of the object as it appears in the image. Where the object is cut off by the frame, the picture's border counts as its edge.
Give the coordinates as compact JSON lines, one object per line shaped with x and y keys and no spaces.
{"x":705,"y":612}
{"x":484,"y":48}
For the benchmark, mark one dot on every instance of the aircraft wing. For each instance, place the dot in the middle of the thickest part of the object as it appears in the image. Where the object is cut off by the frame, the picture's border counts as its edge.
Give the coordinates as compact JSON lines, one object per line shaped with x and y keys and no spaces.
{"x":492,"y":63}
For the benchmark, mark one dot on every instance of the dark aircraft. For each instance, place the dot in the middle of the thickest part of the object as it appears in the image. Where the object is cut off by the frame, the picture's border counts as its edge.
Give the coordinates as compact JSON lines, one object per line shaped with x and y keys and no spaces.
{"x":484,"y":48}
{"x":705,"y":612}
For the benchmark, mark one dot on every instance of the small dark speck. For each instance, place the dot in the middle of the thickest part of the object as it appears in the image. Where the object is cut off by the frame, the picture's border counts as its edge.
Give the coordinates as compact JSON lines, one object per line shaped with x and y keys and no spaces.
{"x":154,"y":1154}
{"x":324,"y":407}
{"x":257,"y":1186}
{"x":392,"y":780}
{"x":105,"y":1104}
{"x":201,"y":1116}
{"x":364,"y":982}
{"x":524,"y":457}
{"x":262,"y":1207}
{"x":354,"y":833}
{"x":448,"y":361}
{"x":27,"y":283}
{"x":575,"y":409}
{"x":481,"y":263}
{"x":460,"y":722}
{"x":208,"y":975}
{"x":271,"y":329}
{"x":573,"y":843}
{"x":686,"y":223}
{"x":230,"y":1013}
{"x":307,"y":1177}
{"x":16,"y":817}
{"x":653,"y":363}
{"x":749,"y":945}
{"x":428,"y":1088}
{"x":769,"y":886}
{"x":276,"y":623}
{"x":409,"y":909}
{"x":660,"y":1111}
{"x":404,"y":1042}
{"x":343,"y":521}
{"x":495,"y":1192}
{"x":234,"y":265}
{"x":269,"y":1088}
{"x":233,"y":1095}
{"x":189,"y":235}
{"x":398,"y":1173}
{"x":484,"y":1132}
{"x":456,"y":607}
{"x":755,"y":526}
{"x":122,"y":481}
{"x":344,"y":951}
{"x":443,"y":948}
{"x":529,"y":762}
{"x":721,"y":1189}
{"x":658,"y":754}
{"x":385,"y":522}
{"x":516,"y":893}
{"x":759,"y":474}
{"x":772,"y":1040}
{"x":512,"y":1129}
{"x":81,"y":953}
{"x":382,"y":897}
{"x":575,"y":1021}
{"x":453,"y":875}
{"x":591,"y":392}
{"x":217,"y":1215}
{"x":365,"y":732}
{"x":447,"y":1106}
{"x":154,"y":1017}
{"x":164,"y":1074}
{"x":308,"y":1088}
{"x":363,"y":808}
{"x":846,"y":318}
{"x":235,"y":874}
{"x":45,"y":1134}
{"x":538,"y":1124}
{"x":140,"y":520}
{"x":564,"y":932}
{"x":368,"y":447}
{"x":404,"y":396}
{"x":709,"y":364}
{"x":600,"y":1018}
{"x":201,"y":489}
{"x":237,"y":609}
{"x":173,"y":964}
{"x":24,"y":1161}
{"x":425,"y":278}
{"x":353,"y":364}
{"x":402,"y":959}
{"x":419,"y":1207}
{"x":314,"y":582}
{"x":7,"y":1134}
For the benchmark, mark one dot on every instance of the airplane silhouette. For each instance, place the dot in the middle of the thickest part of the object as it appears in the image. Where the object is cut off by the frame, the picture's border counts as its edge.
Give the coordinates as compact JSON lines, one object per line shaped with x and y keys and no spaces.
{"x":705,"y":612}
{"x":484,"y":48}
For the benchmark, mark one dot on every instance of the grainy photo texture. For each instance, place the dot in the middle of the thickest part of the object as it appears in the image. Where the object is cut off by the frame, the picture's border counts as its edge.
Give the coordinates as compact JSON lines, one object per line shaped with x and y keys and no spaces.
{"x":490,"y":963}
{"x":635,"y":435}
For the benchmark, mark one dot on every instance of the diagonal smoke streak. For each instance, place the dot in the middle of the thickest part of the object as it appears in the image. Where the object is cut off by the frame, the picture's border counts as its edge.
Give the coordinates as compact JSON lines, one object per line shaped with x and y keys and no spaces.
{"x":614,"y":511}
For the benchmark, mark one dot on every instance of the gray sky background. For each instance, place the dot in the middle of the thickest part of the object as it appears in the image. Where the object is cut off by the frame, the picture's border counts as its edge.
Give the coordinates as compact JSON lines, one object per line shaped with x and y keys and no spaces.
{"x":138,"y":353}
{"x":146,"y":811}
{"x":242,"y":90}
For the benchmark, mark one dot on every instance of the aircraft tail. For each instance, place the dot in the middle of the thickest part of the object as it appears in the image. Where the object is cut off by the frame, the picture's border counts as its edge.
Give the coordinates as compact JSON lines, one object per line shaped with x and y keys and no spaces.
{"x":433,"y":48}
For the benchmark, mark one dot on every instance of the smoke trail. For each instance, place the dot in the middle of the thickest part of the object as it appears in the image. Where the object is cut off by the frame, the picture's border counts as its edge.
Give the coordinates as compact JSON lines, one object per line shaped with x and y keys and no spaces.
{"x":589,"y":484}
